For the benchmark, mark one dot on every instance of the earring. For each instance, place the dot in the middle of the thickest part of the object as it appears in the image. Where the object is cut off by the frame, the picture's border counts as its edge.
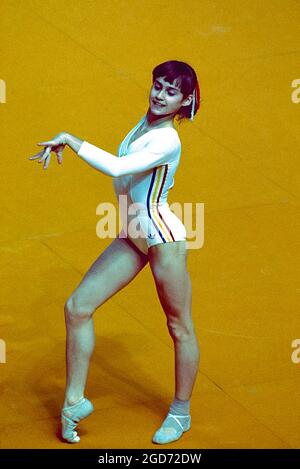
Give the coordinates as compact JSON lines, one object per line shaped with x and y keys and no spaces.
{"x":193,"y":105}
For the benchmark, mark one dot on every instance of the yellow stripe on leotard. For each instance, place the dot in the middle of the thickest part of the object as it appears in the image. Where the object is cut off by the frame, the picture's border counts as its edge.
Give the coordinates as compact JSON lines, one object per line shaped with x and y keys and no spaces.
{"x":155,"y":198}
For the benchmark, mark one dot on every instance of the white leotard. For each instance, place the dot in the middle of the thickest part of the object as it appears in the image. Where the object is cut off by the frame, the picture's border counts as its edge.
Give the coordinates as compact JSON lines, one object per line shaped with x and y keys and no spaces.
{"x":143,"y":173}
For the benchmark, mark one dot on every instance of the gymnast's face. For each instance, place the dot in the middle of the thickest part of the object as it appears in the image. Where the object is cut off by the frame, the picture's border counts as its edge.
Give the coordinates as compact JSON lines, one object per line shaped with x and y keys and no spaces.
{"x":166,"y":98}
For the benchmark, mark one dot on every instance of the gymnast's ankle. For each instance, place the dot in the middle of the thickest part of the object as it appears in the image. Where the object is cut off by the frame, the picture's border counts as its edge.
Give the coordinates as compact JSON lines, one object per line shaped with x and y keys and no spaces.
{"x":72,"y":400}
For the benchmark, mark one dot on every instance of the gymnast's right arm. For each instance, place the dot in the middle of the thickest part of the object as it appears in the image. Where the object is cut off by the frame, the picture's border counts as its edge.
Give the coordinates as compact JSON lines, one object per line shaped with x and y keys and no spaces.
{"x":156,"y":153}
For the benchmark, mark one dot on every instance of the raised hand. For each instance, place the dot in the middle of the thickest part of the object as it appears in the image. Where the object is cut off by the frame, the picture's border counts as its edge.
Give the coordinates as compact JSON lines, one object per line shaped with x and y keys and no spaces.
{"x":56,"y":144}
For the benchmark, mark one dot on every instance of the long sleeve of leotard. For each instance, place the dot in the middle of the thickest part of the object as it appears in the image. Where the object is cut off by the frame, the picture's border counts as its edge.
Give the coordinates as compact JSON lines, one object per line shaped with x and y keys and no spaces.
{"x":158,"y":151}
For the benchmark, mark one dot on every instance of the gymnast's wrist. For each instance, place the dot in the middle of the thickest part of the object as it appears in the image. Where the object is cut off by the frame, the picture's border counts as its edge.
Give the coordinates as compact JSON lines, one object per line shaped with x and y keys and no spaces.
{"x":73,"y":142}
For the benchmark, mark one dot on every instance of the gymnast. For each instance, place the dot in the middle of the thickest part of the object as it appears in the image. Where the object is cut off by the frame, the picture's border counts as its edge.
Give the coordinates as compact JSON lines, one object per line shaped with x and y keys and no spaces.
{"x":143,"y":171}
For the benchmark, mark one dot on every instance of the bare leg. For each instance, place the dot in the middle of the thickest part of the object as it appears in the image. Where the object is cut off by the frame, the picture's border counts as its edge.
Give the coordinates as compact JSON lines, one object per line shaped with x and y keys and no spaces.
{"x":79,"y":348}
{"x":187,"y":354}
{"x":112,"y":271}
{"x":173,"y":284}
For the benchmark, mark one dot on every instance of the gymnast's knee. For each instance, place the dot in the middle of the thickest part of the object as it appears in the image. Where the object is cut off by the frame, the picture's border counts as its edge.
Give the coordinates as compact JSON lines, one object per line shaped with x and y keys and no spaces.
{"x":76,"y":311}
{"x":180,"y":330}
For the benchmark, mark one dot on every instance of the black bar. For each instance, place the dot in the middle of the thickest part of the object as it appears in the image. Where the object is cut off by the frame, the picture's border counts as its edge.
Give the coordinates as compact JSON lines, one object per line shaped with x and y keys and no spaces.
{"x":136,"y":457}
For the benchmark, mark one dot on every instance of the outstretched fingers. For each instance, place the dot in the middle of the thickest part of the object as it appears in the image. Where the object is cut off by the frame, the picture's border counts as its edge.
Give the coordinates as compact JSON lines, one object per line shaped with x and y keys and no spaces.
{"x":37,"y":155}
{"x":44,"y":155}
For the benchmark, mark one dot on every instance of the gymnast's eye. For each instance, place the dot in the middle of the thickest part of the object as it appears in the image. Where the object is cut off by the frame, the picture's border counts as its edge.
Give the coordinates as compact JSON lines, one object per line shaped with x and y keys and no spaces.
{"x":170,"y":92}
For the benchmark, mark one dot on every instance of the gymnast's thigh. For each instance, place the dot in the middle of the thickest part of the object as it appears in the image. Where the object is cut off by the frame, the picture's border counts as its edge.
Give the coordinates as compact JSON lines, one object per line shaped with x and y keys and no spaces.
{"x":115,"y":267}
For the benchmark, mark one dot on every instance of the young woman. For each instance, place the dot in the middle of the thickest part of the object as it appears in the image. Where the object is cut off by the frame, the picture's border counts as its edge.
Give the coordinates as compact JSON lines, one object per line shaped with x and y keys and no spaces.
{"x":143,"y":172}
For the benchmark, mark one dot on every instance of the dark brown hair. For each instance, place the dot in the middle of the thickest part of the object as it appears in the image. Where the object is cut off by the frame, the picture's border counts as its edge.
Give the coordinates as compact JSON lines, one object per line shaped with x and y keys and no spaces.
{"x":187,"y":81}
